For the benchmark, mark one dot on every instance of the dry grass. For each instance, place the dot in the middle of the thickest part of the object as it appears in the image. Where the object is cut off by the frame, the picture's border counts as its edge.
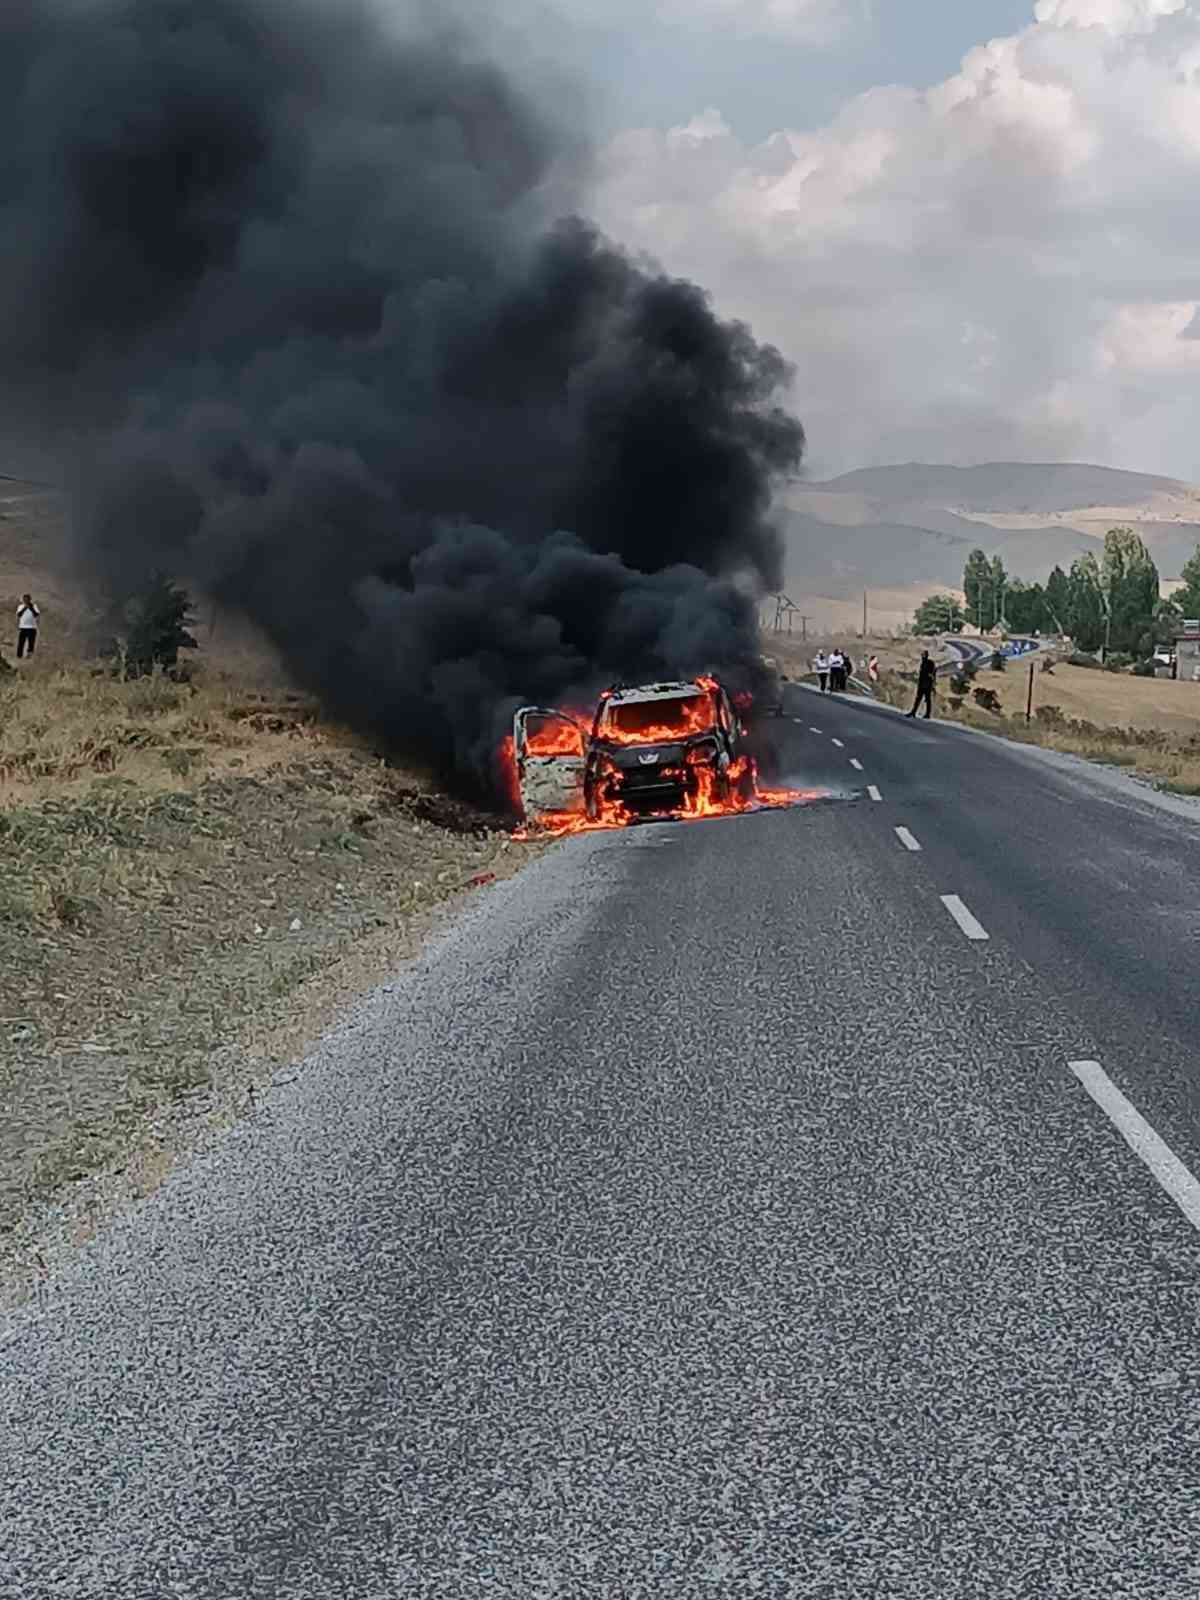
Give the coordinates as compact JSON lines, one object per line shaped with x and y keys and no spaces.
{"x":173,"y":860}
{"x":1107,"y":699}
{"x":1168,"y":757}
{"x":192,"y":877}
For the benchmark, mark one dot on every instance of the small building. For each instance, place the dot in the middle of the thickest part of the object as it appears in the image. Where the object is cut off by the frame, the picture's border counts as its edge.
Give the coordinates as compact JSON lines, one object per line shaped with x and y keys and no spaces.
{"x":1187,"y":651}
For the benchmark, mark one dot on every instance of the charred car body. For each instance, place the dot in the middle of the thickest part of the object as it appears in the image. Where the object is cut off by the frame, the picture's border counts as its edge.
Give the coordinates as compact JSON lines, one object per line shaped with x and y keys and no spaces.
{"x":654,"y":750}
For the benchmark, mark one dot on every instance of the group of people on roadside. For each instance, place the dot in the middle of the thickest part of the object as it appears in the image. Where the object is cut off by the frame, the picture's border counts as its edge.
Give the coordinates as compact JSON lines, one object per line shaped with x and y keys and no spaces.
{"x":833,"y":670}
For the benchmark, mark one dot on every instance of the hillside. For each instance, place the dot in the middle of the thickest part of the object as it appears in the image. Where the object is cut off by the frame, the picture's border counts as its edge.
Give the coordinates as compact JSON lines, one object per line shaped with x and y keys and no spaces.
{"x":906,"y":529}
{"x":195,"y":878}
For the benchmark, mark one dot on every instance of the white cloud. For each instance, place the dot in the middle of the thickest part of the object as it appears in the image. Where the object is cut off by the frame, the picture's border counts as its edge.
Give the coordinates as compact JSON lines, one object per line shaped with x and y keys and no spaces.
{"x":1002,"y":264}
{"x":1113,"y":16}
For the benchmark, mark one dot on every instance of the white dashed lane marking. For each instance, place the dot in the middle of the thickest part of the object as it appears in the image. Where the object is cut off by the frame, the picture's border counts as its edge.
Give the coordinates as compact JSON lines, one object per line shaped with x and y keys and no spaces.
{"x":811,"y":729}
{"x":1141,"y":1138}
{"x":857,"y":765}
{"x":969,"y":924}
{"x":839,"y":744}
{"x":906,"y":839}
{"x":874,"y":792}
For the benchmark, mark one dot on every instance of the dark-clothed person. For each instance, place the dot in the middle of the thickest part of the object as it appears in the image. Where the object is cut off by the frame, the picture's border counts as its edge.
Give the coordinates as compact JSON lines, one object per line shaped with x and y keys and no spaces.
{"x":926,"y":678}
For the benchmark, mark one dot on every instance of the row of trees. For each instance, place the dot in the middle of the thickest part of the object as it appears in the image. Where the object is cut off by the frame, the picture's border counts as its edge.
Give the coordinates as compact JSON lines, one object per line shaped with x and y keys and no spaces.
{"x":1111,"y":603}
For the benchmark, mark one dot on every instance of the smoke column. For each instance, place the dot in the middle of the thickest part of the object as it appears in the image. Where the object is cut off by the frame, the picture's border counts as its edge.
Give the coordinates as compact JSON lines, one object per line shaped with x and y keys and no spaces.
{"x":300,"y":302}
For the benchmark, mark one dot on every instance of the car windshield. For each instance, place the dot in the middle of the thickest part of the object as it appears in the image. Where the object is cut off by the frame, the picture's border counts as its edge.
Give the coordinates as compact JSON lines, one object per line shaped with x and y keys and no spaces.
{"x":650,"y":720}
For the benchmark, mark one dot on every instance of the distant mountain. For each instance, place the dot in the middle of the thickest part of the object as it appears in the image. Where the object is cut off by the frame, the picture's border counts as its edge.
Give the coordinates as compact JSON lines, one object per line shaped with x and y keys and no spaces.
{"x":1007,"y":486}
{"x":914,"y":524}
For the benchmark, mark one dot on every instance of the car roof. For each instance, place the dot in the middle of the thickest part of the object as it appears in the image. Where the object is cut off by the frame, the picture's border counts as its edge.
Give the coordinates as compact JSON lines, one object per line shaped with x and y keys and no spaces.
{"x":655,"y":691}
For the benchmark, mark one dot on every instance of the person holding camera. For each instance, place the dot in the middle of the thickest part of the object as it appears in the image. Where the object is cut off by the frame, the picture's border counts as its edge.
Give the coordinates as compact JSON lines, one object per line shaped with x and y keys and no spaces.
{"x":28,"y":616}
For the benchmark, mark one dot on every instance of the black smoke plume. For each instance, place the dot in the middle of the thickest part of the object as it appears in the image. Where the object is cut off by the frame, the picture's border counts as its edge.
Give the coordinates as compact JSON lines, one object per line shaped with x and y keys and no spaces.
{"x":286,"y":287}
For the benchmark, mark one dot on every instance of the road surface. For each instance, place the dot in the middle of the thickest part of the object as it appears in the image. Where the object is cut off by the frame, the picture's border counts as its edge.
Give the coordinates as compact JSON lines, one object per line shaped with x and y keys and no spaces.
{"x":745,"y":1208}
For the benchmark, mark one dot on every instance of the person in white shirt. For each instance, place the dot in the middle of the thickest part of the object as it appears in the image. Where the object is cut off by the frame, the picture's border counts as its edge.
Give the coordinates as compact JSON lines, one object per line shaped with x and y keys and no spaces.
{"x":27,"y":626}
{"x":821,"y":668}
{"x":837,"y":663}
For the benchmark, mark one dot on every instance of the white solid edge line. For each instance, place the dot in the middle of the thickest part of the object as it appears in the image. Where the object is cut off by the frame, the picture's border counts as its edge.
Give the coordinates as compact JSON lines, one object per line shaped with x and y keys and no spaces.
{"x":906,"y":839}
{"x":1141,"y":1138}
{"x":874,"y":792}
{"x":839,"y":744}
{"x":856,"y":764}
{"x":969,"y":925}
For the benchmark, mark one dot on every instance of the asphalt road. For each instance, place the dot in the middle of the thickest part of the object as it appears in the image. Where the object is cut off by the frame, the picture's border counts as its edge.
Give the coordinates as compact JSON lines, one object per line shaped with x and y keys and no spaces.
{"x":708,"y":1214}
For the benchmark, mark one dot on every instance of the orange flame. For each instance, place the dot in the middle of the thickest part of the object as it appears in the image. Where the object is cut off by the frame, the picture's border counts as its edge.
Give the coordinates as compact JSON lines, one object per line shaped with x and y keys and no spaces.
{"x":544,"y":737}
{"x":650,"y":721}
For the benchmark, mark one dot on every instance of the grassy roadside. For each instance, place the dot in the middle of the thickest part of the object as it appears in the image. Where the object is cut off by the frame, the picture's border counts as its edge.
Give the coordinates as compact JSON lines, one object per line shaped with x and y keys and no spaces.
{"x":190,"y":876}
{"x":1169,"y":758}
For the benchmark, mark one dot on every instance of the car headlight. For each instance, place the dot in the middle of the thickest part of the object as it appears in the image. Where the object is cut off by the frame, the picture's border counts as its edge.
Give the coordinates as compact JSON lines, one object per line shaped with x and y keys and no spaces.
{"x":701,"y":755}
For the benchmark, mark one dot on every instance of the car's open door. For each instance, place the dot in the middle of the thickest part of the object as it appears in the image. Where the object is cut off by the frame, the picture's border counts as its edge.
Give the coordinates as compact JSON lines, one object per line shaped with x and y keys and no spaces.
{"x":550,"y":750}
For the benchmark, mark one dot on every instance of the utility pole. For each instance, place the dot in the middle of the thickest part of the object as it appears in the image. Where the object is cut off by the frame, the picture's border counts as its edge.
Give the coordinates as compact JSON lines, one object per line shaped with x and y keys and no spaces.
{"x":1029,"y":697}
{"x":784,"y":607}
{"x":864,"y":632}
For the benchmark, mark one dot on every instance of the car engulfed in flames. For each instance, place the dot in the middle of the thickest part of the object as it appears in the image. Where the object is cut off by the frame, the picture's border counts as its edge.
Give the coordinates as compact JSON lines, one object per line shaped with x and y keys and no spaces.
{"x":662,"y":750}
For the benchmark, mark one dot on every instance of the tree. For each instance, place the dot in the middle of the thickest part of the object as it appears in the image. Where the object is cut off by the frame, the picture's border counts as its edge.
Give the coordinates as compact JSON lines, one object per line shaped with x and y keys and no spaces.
{"x":1025,"y":606}
{"x":999,"y":580}
{"x":940,"y":613}
{"x":1085,"y":604}
{"x":156,"y":626}
{"x":1131,"y":590}
{"x":1058,"y":600}
{"x":1188,"y":598}
{"x":1167,"y":618}
{"x":977,"y":579}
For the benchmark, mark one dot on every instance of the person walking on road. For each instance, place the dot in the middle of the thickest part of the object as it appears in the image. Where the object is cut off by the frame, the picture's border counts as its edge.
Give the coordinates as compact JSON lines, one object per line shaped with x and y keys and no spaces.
{"x":27,"y":626}
{"x":821,"y":668}
{"x":926,"y":678}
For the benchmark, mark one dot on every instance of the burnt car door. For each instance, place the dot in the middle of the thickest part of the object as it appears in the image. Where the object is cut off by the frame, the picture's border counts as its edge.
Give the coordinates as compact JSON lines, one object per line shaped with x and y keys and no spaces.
{"x":550,"y":752}
{"x":730,"y":725}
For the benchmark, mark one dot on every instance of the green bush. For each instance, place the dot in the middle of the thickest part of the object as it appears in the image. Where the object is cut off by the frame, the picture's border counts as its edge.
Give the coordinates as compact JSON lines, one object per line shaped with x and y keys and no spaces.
{"x":1118,"y":661}
{"x":156,"y":629}
{"x":1079,"y":658}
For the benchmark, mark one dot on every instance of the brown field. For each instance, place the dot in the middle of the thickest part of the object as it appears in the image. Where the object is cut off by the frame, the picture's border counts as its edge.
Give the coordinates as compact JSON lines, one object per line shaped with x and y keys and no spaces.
{"x":1111,"y":699}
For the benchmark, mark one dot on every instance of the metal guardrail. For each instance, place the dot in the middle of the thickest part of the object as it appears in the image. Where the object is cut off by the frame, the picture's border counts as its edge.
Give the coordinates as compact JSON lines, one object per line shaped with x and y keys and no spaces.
{"x":858,"y":683}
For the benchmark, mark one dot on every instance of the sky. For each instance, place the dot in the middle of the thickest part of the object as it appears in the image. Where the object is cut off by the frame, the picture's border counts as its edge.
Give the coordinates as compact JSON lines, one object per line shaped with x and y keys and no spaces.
{"x":971,"y":225}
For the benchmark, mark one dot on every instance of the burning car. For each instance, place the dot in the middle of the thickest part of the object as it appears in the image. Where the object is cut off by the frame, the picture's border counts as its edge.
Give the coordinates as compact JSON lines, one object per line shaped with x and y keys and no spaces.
{"x":655,"y":750}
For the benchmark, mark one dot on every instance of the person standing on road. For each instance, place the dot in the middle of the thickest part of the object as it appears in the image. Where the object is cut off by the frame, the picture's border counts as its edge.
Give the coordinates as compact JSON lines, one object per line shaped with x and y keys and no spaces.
{"x":926,"y":678}
{"x":821,"y":668}
{"x":27,"y":626}
{"x":835,"y":670}
{"x":847,"y":668}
